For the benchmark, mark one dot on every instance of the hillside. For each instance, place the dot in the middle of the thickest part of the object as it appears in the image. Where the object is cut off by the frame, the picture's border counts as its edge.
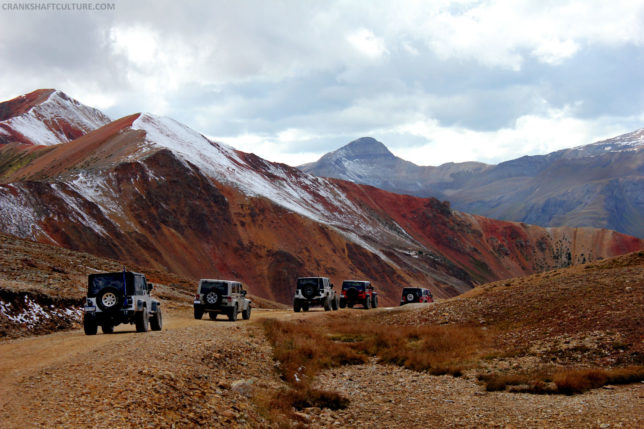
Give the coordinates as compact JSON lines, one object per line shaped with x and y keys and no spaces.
{"x":597,"y":185}
{"x":150,"y":192}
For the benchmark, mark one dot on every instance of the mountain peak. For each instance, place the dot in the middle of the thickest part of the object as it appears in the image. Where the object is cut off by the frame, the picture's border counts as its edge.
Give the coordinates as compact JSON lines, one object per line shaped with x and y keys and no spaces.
{"x":47,"y":117}
{"x":365,"y":147}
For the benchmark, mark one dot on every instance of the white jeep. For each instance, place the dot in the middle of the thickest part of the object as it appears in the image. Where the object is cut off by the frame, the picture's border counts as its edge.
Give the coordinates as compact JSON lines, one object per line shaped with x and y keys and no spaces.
{"x":221,"y":297}
{"x":121,"y":297}
{"x":314,"y":291}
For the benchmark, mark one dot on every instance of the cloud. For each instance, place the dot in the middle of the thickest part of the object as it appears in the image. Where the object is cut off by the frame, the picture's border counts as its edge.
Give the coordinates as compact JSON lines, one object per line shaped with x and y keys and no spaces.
{"x":488,"y":80}
{"x":367,"y":43}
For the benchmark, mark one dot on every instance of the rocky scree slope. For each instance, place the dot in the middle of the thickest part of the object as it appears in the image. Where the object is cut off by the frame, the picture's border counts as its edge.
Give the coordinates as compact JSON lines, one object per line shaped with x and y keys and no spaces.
{"x":599,"y":185}
{"x":149,"y":191}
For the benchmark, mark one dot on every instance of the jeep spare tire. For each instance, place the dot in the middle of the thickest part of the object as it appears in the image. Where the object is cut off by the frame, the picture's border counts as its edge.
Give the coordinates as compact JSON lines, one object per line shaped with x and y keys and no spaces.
{"x":308,"y":291}
{"x":410,"y":297}
{"x":211,"y":298}
{"x":352,"y":293}
{"x":109,"y":299}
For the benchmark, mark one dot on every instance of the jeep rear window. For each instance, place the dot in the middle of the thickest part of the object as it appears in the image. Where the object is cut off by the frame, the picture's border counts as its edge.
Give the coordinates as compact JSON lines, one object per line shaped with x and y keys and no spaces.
{"x":414,"y":290}
{"x":312,"y":281}
{"x":357,"y":285}
{"x":220,"y":287}
{"x":96,"y":282}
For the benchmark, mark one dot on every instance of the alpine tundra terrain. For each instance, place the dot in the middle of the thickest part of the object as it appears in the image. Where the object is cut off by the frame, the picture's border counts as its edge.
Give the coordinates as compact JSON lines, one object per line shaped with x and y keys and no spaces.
{"x":562,"y":348}
{"x":148,"y":191}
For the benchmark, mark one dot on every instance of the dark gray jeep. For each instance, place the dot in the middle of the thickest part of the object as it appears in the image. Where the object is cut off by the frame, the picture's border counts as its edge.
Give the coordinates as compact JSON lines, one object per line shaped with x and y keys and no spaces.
{"x":221,"y":297}
{"x":121,"y":297}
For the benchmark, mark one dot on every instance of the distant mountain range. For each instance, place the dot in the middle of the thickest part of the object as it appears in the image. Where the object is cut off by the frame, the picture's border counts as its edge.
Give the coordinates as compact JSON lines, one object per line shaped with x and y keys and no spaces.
{"x":149,"y":191}
{"x":598,"y":185}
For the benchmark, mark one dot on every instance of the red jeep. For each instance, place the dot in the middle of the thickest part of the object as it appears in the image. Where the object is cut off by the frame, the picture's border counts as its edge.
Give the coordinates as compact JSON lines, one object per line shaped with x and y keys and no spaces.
{"x":358,"y":292}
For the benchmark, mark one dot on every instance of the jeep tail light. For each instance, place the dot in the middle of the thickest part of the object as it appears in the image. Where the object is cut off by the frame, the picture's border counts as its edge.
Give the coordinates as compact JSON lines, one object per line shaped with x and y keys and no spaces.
{"x":197,"y":296}
{"x":229,"y":299}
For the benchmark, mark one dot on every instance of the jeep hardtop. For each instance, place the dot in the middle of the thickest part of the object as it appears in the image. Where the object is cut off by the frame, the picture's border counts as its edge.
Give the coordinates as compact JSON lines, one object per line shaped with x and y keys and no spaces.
{"x":120,"y":297}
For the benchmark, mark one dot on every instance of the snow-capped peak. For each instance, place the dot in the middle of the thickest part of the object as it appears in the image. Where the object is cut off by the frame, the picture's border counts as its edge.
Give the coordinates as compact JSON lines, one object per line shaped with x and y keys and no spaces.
{"x":57,"y":119}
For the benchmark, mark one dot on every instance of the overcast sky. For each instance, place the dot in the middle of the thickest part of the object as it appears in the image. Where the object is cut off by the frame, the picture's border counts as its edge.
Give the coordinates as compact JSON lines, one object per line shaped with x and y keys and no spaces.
{"x":436,"y":81}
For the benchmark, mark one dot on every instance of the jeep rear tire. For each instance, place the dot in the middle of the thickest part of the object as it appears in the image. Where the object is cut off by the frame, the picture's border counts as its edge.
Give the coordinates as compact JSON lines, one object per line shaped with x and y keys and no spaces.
{"x":335,"y":303}
{"x":211,"y":298}
{"x":246,"y":313}
{"x":296,"y":306}
{"x":374,"y":304}
{"x":198,"y":313}
{"x":308,"y":291}
{"x":232,"y":314}
{"x":109,"y":299}
{"x":107,"y":328}
{"x":89,"y":324}
{"x":213,"y":315}
{"x":142,"y":321}
{"x":156,"y":321}
{"x":343,"y":303}
{"x":305,"y":306}
{"x":367,"y":302}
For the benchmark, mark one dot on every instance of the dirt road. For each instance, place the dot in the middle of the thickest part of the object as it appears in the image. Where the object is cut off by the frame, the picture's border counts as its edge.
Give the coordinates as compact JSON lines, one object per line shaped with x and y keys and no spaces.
{"x":205,"y":373}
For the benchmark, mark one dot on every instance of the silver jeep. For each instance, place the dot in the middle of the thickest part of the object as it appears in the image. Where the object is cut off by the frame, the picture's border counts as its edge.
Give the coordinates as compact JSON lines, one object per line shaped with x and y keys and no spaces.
{"x":314,"y":291}
{"x":120,"y":297}
{"x":221,"y":297}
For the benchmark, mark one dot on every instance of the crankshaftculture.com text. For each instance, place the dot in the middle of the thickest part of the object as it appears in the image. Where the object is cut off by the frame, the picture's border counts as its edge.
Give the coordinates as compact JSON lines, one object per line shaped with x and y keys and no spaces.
{"x":57,"y":7}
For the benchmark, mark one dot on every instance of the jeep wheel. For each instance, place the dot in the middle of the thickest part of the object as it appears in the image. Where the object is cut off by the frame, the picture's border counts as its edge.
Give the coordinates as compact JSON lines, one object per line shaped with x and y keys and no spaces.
{"x":410,"y":297}
{"x":309,"y":291}
{"x":156,"y":321}
{"x":198,"y":313}
{"x":213,"y":315}
{"x":350,"y":305}
{"x":246,"y":313}
{"x":335,"y":304}
{"x":327,"y":304}
{"x":305,"y":306}
{"x":142,"y":321}
{"x":107,"y":328}
{"x":109,"y":299}
{"x":374,"y":304}
{"x":232,"y":314}
{"x":296,"y":306}
{"x":343,"y":303}
{"x":211,"y":298}
{"x":367,"y":302}
{"x":89,"y":324}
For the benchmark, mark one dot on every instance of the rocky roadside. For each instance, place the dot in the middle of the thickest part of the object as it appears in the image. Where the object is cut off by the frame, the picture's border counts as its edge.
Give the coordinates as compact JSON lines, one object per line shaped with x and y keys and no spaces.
{"x":391,"y":396}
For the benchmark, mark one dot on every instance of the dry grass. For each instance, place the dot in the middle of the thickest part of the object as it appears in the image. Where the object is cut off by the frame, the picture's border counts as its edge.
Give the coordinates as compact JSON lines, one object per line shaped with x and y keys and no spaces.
{"x":303,"y":349}
{"x":566,"y":382}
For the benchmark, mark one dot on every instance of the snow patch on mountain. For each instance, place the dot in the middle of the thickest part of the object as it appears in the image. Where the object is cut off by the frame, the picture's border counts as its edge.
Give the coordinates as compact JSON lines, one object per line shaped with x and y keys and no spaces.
{"x":17,"y":217}
{"x":43,"y":124}
{"x":310,"y":196}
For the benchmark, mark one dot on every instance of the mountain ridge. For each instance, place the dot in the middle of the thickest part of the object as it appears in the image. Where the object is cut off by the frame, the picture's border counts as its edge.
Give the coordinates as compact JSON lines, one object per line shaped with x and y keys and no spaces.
{"x":150,"y":191}
{"x":581,"y":186}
